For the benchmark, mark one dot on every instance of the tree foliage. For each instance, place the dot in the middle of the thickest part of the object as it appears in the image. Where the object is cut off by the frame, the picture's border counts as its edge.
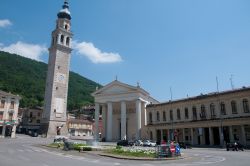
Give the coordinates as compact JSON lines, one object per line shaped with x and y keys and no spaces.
{"x":27,"y":78}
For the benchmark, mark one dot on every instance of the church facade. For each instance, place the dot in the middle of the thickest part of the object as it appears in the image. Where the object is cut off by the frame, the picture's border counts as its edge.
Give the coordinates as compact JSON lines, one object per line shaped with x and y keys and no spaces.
{"x":123,"y":110}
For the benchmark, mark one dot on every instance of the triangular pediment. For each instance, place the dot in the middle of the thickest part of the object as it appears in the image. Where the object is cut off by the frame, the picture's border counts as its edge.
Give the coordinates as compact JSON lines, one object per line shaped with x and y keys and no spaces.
{"x":115,"y":87}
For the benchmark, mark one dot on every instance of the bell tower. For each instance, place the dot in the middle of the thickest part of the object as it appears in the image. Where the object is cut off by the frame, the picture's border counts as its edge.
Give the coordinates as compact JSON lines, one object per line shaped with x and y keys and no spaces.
{"x":56,"y":91}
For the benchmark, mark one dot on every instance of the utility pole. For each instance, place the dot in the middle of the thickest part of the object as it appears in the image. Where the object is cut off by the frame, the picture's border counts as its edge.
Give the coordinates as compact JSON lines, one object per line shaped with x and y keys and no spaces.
{"x":172,"y":117}
{"x":231,"y":81}
{"x":221,"y":120}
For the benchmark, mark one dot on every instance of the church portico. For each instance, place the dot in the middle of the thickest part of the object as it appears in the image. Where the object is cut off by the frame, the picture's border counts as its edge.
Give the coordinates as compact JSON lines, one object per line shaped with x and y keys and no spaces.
{"x":123,"y":110}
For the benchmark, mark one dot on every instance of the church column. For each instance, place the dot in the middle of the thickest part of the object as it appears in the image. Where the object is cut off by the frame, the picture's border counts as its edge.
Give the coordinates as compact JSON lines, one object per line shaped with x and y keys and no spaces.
{"x":3,"y":130}
{"x":221,"y":137}
{"x":243,"y":135}
{"x":123,"y":121}
{"x":231,"y":138}
{"x":211,"y":137}
{"x":104,"y":121}
{"x":192,"y":136}
{"x":97,"y":112}
{"x":183,"y":135}
{"x":138,"y":119}
{"x":109,"y":120}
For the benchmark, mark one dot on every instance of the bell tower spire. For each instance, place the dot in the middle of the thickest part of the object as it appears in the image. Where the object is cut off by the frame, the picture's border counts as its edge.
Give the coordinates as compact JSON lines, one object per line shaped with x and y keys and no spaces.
{"x":56,"y":91}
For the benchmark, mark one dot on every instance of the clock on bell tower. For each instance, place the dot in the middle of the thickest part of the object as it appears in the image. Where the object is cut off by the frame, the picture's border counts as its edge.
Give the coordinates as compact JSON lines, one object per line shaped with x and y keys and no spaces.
{"x":56,"y":91}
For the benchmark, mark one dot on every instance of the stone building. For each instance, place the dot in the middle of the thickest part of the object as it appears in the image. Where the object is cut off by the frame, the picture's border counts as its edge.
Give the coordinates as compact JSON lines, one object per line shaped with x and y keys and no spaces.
{"x":80,"y":128}
{"x":9,"y":105}
{"x":210,"y":119}
{"x":123,"y":109}
{"x":56,"y":91}
{"x":31,"y":119}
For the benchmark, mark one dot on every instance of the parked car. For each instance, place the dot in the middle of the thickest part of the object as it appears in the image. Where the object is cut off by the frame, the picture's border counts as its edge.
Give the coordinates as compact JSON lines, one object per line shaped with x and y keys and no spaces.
{"x":234,"y":146}
{"x":125,"y":143}
{"x":184,"y":145}
{"x":34,"y":133}
{"x":138,"y":143}
{"x":149,"y":143}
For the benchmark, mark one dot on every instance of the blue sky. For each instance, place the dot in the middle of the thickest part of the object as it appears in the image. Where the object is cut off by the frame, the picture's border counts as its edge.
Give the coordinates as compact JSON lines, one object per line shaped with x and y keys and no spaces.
{"x":182,"y":44}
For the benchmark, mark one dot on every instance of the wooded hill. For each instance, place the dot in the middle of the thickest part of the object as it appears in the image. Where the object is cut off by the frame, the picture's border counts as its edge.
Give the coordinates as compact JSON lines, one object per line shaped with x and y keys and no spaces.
{"x":27,"y":77}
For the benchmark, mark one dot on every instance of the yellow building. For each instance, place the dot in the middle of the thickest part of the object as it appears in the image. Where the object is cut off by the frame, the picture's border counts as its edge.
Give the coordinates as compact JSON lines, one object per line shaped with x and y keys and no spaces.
{"x":9,"y":104}
{"x":210,"y":119}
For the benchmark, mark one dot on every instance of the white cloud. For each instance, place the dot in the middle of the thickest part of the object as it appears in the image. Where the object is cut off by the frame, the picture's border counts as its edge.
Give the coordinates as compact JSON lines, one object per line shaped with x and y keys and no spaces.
{"x":5,"y":23}
{"x":95,"y":54}
{"x":32,"y":51}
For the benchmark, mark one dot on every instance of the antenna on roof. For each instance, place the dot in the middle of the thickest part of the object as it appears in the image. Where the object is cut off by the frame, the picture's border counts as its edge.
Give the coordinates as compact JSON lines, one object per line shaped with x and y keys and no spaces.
{"x":138,"y":84}
{"x":217,"y":83}
{"x":116,"y":77}
{"x":171,"y":95}
{"x":231,"y":81}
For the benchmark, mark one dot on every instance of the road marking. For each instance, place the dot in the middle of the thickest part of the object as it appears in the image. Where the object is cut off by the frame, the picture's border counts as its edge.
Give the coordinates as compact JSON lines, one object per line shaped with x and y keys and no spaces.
{"x":117,"y":163}
{"x":23,"y":158}
{"x":20,"y":150}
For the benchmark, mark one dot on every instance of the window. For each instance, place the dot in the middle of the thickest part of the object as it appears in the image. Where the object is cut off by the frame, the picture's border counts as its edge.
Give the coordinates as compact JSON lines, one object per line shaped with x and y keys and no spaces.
{"x":67,"y":41}
{"x":164,"y":116}
{"x":1,"y":115}
{"x":62,"y":39}
{"x":31,"y":114}
{"x":38,"y":114}
{"x":150,"y":117}
{"x":186,"y":113}
{"x":171,"y":114}
{"x":245,"y":105}
{"x":234,"y":107}
{"x":203,"y":112}
{"x":12,"y":104}
{"x":37,"y":121}
{"x":66,"y":26}
{"x":178,"y":114}
{"x":194,"y":113}
{"x":10,"y":116}
{"x":212,"y":110}
{"x":2,"y":104}
{"x":222,"y":108}
{"x":158,"y":116}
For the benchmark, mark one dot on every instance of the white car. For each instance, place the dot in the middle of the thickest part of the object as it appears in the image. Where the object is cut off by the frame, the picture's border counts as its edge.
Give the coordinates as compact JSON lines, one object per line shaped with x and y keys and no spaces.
{"x":149,"y":143}
{"x":138,"y":143}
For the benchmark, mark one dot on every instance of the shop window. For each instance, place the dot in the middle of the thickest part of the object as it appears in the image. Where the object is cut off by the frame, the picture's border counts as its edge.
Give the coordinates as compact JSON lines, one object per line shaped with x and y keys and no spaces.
{"x":1,"y":115}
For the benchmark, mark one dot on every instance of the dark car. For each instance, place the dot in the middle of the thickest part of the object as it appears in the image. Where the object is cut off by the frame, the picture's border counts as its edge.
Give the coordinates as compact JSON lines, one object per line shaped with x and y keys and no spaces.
{"x":125,"y":143}
{"x":184,"y":145}
{"x":234,"y":146}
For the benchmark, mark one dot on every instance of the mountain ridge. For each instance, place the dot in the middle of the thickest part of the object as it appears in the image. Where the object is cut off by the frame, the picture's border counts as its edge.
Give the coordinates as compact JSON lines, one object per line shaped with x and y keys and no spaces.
{"x":26,"y":77}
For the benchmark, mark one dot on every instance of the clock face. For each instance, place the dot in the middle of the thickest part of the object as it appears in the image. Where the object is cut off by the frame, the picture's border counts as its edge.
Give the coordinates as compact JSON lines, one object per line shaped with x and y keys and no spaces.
{"x":61,"y":78}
